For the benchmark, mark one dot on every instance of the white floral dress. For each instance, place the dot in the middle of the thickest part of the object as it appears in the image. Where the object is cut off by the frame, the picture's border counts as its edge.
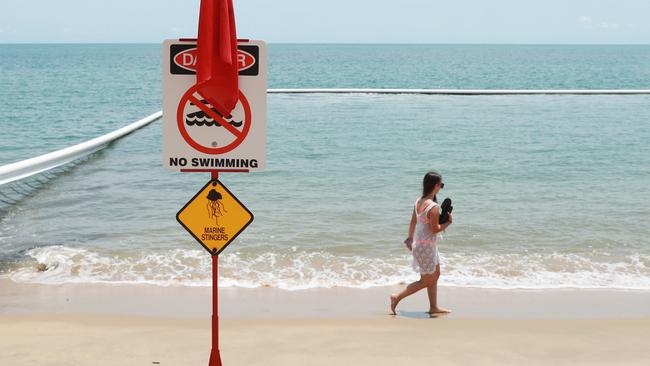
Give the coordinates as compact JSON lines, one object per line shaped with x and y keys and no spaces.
{"x":425,"y":248}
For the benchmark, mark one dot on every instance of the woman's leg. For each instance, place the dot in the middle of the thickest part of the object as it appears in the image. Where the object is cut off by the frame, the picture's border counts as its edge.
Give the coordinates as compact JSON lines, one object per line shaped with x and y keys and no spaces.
{"x":432,"y":291}
{"x":425,"y":281}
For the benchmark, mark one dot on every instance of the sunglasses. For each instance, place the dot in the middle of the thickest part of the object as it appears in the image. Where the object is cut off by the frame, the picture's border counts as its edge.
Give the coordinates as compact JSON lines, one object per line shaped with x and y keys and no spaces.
{"x":442,"y":185}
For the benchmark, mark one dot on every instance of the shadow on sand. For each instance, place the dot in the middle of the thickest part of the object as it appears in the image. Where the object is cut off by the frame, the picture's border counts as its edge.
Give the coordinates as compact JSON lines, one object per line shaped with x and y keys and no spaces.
{"x":419,"y":314}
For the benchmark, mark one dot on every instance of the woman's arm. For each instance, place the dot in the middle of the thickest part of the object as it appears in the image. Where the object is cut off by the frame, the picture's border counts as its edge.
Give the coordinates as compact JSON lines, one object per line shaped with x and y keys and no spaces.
{"x":409,"y":241}
{"x":414,"y":220}
{"x":434,"y":218}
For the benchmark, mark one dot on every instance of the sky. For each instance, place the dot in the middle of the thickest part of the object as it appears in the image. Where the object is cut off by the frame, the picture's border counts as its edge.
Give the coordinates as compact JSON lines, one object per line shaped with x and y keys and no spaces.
{"x":334,"y":21}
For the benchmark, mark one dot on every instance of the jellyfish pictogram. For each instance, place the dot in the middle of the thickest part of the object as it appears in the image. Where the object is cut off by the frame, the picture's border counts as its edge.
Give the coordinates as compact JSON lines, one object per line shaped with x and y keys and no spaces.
{"x":215,"y":206}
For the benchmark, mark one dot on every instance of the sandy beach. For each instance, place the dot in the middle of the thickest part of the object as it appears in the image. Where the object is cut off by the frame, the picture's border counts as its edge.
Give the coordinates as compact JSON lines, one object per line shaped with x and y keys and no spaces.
{"x":145,"y":325}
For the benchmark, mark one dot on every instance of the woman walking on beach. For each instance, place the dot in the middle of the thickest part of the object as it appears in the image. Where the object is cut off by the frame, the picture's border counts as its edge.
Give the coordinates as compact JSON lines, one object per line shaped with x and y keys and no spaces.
{"x":422,"y":242}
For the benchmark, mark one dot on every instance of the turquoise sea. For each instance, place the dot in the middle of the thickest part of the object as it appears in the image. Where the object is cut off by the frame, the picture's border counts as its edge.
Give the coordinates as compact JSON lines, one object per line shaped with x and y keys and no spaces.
{"x":549,"y":191}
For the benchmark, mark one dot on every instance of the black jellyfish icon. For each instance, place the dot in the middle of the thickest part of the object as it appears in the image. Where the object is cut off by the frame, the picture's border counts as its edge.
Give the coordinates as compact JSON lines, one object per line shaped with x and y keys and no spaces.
{"x":200,"y":118}
{"x":215,"y":206}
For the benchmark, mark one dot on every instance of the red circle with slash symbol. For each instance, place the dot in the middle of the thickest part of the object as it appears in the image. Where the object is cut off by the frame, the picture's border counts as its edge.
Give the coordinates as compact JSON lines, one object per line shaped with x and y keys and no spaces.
{"x":189,"y":97}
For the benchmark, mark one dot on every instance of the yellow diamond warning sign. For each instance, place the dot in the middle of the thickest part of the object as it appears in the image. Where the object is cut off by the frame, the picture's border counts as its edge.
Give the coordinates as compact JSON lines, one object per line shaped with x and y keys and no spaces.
{"x":214,"y":217}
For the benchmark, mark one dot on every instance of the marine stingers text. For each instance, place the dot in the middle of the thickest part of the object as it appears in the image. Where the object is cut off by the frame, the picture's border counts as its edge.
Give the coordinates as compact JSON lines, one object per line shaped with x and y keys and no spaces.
{"x":214,"y":233}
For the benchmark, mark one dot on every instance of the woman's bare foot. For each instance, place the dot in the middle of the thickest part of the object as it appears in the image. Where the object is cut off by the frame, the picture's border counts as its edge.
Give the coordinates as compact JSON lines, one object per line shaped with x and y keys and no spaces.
{"x":438,"y":310}
{"x":393,"y":304}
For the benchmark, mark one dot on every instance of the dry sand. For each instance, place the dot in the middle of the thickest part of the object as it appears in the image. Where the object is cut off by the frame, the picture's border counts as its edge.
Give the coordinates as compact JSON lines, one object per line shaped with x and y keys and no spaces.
{"x":141,"y":325}
{"x":109,"y":340}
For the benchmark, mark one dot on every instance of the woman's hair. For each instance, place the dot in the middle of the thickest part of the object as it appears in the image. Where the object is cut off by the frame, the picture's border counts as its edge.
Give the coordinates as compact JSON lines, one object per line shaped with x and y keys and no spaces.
{"x":430,"y":180}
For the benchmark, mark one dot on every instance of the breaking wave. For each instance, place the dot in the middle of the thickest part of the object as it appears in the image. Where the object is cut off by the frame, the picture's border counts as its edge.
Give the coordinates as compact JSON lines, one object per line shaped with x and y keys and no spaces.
{"x":297,"y":269}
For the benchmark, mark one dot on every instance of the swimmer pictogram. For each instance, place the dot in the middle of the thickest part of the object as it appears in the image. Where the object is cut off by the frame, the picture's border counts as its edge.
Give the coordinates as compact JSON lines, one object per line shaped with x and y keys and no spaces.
{"x":200,"y":118}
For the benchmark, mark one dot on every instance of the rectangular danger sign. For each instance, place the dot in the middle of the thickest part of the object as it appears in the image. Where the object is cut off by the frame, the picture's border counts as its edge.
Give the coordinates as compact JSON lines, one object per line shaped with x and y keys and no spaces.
{"x":195,"y":136}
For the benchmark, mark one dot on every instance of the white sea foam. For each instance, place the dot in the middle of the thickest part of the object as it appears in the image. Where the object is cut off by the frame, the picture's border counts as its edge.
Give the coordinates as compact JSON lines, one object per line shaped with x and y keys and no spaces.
{"x":296,"y":270}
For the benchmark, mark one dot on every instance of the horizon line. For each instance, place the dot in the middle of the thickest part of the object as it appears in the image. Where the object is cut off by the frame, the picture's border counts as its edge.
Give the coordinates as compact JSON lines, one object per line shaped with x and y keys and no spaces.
{"x":353,"y":43}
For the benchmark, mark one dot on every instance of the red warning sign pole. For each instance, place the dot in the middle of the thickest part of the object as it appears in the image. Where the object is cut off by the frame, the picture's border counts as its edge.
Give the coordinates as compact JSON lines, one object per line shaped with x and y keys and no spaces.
{"x":226,"y":140}
{"x":217,"y":80}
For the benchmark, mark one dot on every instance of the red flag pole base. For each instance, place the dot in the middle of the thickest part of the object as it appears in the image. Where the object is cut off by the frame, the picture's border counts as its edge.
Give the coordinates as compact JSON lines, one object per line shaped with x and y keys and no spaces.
{"x":215,"y":358}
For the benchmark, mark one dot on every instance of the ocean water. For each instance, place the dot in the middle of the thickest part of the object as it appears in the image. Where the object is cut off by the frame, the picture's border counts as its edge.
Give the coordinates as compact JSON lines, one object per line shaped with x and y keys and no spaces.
{"x":549,"y":191}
